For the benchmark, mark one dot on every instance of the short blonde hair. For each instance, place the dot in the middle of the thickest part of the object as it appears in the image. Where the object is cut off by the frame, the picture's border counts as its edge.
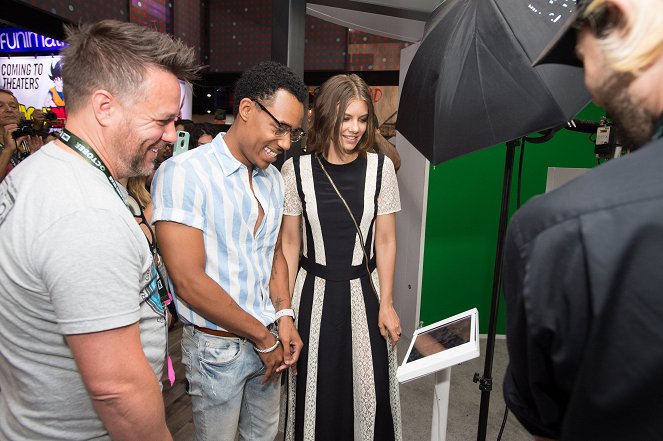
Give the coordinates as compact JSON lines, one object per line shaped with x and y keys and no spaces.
{"x":638,"y":40}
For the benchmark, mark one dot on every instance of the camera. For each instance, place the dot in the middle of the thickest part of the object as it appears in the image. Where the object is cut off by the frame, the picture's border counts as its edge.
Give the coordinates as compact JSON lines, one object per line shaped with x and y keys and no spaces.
{"x":24,"y":129}
{"x":50,"y":116}
{"x":607,"y":144}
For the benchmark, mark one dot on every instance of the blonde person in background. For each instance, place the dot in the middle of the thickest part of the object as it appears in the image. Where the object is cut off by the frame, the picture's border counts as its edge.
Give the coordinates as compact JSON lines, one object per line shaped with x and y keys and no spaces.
{"x":345,"y":387}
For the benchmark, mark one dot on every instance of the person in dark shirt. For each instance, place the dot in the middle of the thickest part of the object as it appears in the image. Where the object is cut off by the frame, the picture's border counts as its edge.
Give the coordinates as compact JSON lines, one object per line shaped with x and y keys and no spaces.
{"x":583,"y":271}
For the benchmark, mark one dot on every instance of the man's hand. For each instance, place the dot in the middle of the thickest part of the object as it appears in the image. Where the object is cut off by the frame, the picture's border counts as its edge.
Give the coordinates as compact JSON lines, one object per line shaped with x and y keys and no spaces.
{"x":38,"y":119}
{"x":272,"y":360}
{"x":10,"y":144}
{"x":34,"y":143}
{"x":292,"y":344}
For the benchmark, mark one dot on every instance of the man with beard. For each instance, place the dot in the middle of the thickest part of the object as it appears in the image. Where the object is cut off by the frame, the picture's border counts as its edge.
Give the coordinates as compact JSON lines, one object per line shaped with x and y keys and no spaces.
{"x":82,"y":327}
{"x":584,"y":264}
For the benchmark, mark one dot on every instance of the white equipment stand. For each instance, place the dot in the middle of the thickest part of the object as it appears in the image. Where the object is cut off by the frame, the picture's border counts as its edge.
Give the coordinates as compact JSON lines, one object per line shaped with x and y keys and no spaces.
{"x":440,"y":405}
{"x":435,"y":349}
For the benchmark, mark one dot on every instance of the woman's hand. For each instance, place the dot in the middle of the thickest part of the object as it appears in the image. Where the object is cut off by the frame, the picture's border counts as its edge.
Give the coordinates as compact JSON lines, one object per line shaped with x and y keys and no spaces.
{"x":389,"y":323}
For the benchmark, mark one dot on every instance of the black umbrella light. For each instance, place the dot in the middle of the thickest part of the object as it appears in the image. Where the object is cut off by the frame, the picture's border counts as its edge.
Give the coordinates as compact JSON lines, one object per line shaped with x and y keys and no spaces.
{"x":471,"y":83}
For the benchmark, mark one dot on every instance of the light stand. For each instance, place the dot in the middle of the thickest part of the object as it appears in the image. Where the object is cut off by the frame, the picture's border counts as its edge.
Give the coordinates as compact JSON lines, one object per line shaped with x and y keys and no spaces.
{"x":486,"y":381}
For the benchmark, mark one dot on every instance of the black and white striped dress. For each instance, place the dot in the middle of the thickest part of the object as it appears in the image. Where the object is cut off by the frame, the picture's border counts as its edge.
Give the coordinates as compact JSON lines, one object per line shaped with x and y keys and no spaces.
{"x":346,"y":387}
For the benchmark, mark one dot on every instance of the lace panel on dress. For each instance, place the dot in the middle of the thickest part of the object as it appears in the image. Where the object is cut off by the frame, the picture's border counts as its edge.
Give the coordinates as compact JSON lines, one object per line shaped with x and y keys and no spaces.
{"x":389,"y":200}
{"x":292,"y":205}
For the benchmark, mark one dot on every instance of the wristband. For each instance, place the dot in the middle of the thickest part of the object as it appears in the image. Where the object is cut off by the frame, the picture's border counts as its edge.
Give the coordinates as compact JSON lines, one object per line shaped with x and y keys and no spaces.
{"x":271,"y":348}
{"x":284,"y":312}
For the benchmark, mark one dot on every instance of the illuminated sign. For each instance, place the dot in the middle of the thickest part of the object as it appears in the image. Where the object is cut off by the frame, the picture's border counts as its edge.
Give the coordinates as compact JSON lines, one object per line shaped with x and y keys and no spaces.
{"x":20,"y":40}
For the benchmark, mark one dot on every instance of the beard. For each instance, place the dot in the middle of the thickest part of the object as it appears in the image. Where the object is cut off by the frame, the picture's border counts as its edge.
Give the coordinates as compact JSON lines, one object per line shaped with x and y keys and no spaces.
{"x":138,"y":166}
{"x":636,"y":123}
{"x":132,"y":154}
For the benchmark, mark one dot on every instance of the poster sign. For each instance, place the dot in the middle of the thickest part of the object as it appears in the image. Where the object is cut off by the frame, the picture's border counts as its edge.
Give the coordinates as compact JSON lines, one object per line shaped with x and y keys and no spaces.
{"x":19,"y":40}
{"x":36,"y":82}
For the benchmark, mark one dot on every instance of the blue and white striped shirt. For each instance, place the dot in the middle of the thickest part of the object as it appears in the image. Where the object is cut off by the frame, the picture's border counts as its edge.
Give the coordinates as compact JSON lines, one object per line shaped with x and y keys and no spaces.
{"x":207,"y":188}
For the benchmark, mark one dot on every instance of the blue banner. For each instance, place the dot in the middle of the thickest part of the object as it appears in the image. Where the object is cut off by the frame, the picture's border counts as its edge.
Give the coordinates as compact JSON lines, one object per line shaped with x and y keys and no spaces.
{"x":20,"y":40}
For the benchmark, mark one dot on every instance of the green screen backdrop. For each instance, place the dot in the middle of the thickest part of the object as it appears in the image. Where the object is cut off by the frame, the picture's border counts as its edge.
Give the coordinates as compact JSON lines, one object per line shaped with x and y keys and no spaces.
{"x":464,"y":197}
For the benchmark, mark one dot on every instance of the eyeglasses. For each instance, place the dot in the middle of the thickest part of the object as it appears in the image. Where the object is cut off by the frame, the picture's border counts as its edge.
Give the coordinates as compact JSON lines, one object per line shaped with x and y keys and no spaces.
{"x":283,"y":129}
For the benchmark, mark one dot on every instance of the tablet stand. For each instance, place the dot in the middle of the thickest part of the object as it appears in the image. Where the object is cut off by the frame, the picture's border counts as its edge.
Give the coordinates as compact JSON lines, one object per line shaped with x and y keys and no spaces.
{"x":440,"y":405}
{"x":434,"y":349}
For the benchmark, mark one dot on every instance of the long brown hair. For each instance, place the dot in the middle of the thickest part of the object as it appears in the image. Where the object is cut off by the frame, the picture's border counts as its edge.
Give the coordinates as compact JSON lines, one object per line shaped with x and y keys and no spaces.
{"x":329,"y":107}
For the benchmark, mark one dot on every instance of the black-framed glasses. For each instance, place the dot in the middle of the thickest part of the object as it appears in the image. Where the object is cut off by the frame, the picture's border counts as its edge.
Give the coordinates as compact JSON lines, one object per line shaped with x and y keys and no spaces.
{"x":283,"y":129}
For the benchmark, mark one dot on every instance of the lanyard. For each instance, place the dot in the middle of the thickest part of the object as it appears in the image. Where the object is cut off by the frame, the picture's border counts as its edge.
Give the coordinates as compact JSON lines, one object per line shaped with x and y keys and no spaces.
{"x":83,"y":148}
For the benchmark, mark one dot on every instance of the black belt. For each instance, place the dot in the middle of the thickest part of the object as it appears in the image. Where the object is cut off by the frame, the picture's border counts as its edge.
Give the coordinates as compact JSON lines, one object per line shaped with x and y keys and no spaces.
{"x":336,"y":273}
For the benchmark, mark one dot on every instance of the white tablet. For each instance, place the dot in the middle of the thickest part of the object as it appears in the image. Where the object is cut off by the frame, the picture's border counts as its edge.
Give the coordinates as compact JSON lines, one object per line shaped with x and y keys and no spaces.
{"x":440,"y":345}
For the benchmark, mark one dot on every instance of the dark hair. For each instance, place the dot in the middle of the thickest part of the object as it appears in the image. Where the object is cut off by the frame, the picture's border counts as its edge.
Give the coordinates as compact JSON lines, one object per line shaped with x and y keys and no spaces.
{"x":116,"y":56}
{"x":183,"y":122}
{"x":212,"y":129}
{"x":332,"y":99}
{"x":263,"y":80}
{"x":56,"y":71}
{"x":200,"y":129}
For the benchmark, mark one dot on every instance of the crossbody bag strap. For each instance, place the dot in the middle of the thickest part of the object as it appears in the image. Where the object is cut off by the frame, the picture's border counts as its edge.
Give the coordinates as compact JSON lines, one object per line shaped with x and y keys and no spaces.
{"x":354,"y":221}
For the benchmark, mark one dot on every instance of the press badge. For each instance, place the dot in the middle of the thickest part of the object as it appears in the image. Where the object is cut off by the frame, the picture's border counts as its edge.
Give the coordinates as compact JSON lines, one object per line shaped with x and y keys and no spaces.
{"x":154,"y":292}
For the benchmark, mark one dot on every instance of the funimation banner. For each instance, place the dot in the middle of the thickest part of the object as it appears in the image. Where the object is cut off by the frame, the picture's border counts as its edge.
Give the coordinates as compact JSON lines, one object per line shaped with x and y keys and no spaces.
{"x":20,"y":40}
{"x":36,"y":82}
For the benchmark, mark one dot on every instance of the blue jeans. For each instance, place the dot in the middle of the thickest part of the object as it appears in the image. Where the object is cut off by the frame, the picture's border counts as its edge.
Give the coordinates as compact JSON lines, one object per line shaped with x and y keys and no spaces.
{"x":224,"y":384}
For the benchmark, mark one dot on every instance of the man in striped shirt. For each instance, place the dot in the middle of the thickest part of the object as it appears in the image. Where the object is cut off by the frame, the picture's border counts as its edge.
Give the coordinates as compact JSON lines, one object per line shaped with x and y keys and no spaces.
{"x":218,"y":212}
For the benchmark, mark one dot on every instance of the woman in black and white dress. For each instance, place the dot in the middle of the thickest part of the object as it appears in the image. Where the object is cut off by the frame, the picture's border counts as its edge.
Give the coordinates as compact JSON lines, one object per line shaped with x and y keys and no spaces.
{"x":345,"y":387}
